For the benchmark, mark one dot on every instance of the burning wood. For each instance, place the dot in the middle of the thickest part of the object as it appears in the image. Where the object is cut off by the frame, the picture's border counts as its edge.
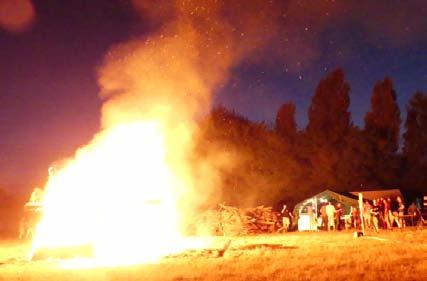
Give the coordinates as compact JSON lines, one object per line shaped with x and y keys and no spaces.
{"x":83,"y":251}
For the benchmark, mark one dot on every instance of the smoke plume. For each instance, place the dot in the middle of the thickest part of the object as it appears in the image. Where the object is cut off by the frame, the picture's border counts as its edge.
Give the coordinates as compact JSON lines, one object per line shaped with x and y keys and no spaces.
{"x":171,"y":75}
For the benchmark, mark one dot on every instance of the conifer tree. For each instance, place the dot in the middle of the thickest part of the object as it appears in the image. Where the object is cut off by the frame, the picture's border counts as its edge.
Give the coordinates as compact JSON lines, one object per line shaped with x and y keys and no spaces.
{"x":285,"y":125}
{"x":415,"y":136}
{"x":415,"y":143}
{"x":382,"y":127}
{"x":329,"y":117}
{"x":382,"y":122}
{"x":327,"y":130}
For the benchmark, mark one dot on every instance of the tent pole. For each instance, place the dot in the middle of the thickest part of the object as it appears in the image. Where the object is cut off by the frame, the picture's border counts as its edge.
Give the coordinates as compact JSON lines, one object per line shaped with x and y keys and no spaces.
{"x":362,"y":221}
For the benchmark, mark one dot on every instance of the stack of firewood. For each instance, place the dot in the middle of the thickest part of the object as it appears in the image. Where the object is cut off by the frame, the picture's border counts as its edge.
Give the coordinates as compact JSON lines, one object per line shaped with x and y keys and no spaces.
{"x":232,"y":220}
{"x":262,"y":219}
{"x":235,"y":221}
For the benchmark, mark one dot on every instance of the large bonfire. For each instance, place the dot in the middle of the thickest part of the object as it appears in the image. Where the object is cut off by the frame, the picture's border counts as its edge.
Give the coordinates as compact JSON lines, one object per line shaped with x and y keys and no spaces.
{"x":130,"y":192}
{"x":119,"y":196}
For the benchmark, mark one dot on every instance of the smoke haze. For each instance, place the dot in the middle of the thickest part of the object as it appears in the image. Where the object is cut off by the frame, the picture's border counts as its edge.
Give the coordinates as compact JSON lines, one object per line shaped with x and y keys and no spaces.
{"x":173,"y":72}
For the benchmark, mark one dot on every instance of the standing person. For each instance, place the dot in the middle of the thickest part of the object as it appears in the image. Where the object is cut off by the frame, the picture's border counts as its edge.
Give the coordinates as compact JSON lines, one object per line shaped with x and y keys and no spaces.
{"x":312,"y":219}
{"x":380,"y":203}
{"x":375,"y":214}
{"x":354,"y":217}
{"x":394,"y":217}
{"x":387,"y":212}
{"x":338,"y":213}
{"x":330,"y":212}
{"x":414,"y":212}
{"x":418,"y":203}
{"x":286,"y":218}
{"x":367,"y":214}
{"x":324,"y":217}
{"x":401,"y":211}
{"x":25,"y":227}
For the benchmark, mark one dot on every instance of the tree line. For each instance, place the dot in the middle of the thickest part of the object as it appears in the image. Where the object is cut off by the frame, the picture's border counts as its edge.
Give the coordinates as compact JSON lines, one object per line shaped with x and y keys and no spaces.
{"x":331,"y":152}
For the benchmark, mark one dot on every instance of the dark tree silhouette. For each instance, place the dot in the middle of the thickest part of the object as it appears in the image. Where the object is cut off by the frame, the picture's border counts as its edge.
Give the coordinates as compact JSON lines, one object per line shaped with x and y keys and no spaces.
{"x":257,"y":165}
{"x":415,"y":143}
{"x":286,"y":125}
{"x":382,"y":122}
{"x":327,"y":129}
{"x":328,"y":115}
{"x":382,"y":127}
{"x":415,"y":137}
{"x":254,"y":164}
{"x":354,"y":168}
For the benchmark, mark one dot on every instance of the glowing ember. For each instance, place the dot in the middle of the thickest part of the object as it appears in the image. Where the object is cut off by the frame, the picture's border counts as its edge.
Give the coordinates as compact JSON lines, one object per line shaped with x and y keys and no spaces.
{"x":119,"y":195}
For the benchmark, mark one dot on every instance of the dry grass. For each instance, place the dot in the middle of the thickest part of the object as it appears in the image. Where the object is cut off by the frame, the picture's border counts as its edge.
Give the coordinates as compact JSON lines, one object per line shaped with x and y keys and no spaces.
{"x":290,"y":256}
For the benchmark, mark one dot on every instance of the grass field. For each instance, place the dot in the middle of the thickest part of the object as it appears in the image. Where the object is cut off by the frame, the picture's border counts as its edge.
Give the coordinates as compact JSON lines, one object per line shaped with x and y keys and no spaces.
{"x":290,"y":256}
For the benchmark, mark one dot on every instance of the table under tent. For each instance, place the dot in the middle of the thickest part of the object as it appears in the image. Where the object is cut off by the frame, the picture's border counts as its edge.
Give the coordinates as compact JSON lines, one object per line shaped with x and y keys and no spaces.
{"x":316,"y":201}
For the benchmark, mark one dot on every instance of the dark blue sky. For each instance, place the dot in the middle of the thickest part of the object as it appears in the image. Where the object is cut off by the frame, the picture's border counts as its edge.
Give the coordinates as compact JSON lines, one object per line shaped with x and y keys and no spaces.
{"x":49,"y":95}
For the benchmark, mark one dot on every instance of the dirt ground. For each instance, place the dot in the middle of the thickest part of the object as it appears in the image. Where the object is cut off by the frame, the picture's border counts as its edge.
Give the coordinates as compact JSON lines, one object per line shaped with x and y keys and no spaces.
{"x":290,"y":256}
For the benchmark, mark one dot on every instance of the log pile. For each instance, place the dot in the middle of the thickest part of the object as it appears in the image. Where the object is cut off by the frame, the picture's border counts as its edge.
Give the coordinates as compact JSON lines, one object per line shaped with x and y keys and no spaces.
{"x":235,"y":221}
{"x":232,"y":220}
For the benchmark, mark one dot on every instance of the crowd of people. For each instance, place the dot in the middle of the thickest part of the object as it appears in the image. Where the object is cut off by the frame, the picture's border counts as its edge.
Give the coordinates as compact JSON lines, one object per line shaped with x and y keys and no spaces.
{"x":385,"y":213}
{"x":331,"y":216}
{"x":381,"y":213}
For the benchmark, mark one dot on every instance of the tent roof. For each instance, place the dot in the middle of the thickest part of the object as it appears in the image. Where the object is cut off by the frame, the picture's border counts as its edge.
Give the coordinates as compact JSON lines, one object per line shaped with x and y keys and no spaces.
{"x":347,"y":199}
{"x":374,"y":194}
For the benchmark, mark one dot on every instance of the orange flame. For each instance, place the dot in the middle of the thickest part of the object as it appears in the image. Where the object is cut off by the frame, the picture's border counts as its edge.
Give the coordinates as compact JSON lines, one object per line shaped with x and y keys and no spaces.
{"x":118,"y":195}
{"x":129,"y":193}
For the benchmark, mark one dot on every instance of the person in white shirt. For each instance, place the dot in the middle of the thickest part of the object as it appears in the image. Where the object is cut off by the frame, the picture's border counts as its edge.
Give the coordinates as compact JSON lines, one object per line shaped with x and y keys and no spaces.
{"x":330,"y":212}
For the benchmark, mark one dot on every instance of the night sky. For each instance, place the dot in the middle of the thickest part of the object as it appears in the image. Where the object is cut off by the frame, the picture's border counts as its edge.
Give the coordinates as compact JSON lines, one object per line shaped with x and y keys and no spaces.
{"x":49,"y":101}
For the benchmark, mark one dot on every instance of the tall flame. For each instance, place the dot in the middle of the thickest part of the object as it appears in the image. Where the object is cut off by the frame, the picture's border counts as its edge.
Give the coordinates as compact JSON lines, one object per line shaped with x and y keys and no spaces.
{"x":119,"y":195}
{"x":129,"y":192}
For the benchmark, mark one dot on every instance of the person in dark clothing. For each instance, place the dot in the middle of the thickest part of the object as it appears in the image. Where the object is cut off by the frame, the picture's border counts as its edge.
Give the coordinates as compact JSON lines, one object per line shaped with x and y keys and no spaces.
{"x":394,"y":217}
{"x":387,"y":212}
{"x":355,"y":217}
{"x":375,"y":214}
{"x":286,"y":218}
{"x":381,"y":219}
{"x":339,"y":212}
{"x":414,"y":212}
{"x":324,"y":217}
